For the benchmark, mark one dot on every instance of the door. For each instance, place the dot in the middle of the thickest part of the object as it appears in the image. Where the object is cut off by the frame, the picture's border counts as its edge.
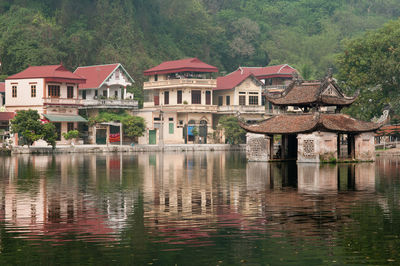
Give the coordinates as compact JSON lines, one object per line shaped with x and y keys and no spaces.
{"x":101,"y":136}
{"x":152,"y":136}
{"x":203,"y":132}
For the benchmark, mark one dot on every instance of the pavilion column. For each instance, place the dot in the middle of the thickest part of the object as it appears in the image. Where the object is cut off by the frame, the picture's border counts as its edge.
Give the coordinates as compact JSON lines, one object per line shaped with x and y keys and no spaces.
{"x":364,"y":147}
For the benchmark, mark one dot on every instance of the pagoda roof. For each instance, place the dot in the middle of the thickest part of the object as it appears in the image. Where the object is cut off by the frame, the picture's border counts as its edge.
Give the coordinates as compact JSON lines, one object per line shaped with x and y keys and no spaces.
{"x":305,"y":123}
{"x":312,"y":93}
{"x":183,"y":65}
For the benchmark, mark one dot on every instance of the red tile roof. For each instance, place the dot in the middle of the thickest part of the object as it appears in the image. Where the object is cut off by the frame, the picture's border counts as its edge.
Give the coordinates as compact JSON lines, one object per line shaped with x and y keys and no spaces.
{"x":388,"y":130}
{"x":183,"y":65}
{"x":233,"y":79}
{"x":52,"y":73}
{"x":270,"y":71}
{"x":95,"y":75}
{"x":6,"y":116}
{"x":304,"y":123}
{"x":2,"y":86}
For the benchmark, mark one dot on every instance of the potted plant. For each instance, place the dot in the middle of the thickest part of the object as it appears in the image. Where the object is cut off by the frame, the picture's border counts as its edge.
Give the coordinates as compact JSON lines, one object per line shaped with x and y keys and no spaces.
{"x":71,"y":135}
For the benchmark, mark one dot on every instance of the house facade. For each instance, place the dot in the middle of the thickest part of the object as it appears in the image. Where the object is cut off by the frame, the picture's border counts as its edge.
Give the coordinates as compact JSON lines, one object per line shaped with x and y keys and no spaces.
{"x":105,"y":88}
{"x":178,"y":99}
{"x":183,"y":95}
{"x":51,"y":90}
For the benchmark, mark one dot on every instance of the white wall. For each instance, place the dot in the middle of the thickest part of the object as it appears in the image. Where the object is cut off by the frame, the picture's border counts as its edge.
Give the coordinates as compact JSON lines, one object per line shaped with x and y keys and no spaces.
{"x":24,"y":92}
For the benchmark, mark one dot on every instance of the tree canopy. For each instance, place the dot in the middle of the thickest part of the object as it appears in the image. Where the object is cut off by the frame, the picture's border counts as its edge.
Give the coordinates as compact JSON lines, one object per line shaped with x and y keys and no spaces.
{"x":371,"y":63}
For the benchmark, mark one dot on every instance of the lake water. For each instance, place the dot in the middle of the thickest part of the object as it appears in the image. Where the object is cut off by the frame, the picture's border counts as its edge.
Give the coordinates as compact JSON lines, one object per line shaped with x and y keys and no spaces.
{"x":196,"y":209}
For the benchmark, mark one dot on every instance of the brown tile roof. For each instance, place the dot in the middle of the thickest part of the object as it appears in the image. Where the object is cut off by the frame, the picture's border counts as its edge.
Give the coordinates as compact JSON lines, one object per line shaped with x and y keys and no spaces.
{"x":388,"y":130}
{"x":303,"y":123}
{"x":309,"y":93}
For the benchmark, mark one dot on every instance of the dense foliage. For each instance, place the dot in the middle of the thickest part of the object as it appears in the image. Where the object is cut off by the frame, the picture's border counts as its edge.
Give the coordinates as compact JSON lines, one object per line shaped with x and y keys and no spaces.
{"x":371,"y":63}
{"x":28,"y":125}
{"x":142,"y":33}
{"x":139,"y":34}
{"x":234,"y":134}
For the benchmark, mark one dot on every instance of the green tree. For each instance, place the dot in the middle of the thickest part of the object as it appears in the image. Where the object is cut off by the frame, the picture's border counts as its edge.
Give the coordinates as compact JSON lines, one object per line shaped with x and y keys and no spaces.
{"x":234,"y":134}
{"x":134,"y":126}
{"x":27,"y":124}
{"x":49,"y":134}
{"x":371,"y":63}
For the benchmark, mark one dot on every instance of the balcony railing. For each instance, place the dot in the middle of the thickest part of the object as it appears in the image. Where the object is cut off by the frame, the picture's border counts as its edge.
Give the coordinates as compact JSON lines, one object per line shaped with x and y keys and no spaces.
{"x":176,"y":83}
{"x":62,"y":101}
{"x":241,"y":109}
{"x":101,"y":103}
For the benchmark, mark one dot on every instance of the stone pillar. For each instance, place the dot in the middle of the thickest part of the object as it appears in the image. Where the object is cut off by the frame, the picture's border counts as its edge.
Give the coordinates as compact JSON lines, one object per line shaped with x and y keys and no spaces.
{"x":364,"y":147}
{"x":258,"y":147}
{"x":317,"y":147}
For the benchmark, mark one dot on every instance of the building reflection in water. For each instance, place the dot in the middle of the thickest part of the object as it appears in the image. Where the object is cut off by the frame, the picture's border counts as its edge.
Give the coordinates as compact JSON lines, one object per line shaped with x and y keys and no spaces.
{"x":185,"y":197}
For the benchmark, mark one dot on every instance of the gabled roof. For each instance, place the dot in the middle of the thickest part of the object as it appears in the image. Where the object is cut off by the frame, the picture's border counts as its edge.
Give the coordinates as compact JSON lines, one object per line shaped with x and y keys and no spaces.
{"x":304,"y":123}
{"x":97,"y":75}
{"x":51,"y":72}
{"x":270,"y":71}
{"x":311,"y":93}
{"x":2,"y":86}
{"x":183,"y":65}
{"x":234,"y":79}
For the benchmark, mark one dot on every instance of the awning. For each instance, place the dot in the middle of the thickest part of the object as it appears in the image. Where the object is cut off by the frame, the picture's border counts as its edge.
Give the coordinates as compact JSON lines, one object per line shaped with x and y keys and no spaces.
{"x":64,"y":118}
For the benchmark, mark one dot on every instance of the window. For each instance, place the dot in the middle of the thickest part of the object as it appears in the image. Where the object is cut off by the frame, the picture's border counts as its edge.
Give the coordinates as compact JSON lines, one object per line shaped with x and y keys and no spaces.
{"x":196,"y":97}
{"x":155,"y":77}
{"x":179,"y":97}
{"x":253,"y":100}
{"x":171,"y":119}
{"x":242,"y":100}
{"x":84,"y":94}
{"x":220,"y":100}
{"x":70,"y":92}
{"x":54,"y":90}
{"x":14,"y":91}
{"x":208,"y":97}
{"x":70,"y":126}
{"x":105,"y":93}
{"x":96,"y":93}
{"x":166,"y":97}
{"x":33,"y":91}
{"x":228,"y":100}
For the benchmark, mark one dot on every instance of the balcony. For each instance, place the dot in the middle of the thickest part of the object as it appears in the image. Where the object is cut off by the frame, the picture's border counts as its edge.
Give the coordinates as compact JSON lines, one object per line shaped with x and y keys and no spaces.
{"x":109,"y":103}
{"x":244,"y":109}
{"x":61,"y":101}
{"x":178,"y":83}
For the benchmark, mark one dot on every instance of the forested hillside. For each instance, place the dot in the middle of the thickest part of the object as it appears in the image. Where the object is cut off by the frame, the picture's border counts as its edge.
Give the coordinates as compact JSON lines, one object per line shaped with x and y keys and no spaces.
{"x":307,"y":34}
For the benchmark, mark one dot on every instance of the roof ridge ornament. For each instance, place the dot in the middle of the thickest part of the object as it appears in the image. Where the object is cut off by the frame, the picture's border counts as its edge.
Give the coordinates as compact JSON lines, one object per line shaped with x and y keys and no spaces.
{"x":296,"y":78}
{"x":384,"y":117}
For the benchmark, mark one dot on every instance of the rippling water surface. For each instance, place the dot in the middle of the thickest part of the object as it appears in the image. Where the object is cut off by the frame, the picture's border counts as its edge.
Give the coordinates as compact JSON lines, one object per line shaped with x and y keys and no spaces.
{"x":196,"y":209}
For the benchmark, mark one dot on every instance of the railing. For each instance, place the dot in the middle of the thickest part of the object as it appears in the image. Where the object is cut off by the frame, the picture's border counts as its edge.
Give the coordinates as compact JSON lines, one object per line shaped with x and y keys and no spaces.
{"x":109,"y":103}
{"x":274,"y":88}
{"x":241,"y":108}
{"x":62,"y":101}
{"x":179,"y":83}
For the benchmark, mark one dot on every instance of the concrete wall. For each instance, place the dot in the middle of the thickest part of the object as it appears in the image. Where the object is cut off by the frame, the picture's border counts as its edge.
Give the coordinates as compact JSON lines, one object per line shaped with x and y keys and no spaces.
{"x":317,"y":147}
{"x":24,"y":98}
{"x":365,"y":147}
{"x":258,"y":148}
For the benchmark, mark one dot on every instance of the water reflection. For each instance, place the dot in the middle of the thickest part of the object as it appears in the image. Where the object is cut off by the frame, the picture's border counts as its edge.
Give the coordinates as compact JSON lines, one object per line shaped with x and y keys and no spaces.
{"x":177,"y":200}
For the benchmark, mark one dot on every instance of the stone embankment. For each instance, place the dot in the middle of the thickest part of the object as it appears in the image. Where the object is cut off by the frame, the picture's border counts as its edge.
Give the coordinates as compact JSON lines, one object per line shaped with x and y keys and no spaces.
{"x":127,"y":148}
{"x":389,"y":152}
